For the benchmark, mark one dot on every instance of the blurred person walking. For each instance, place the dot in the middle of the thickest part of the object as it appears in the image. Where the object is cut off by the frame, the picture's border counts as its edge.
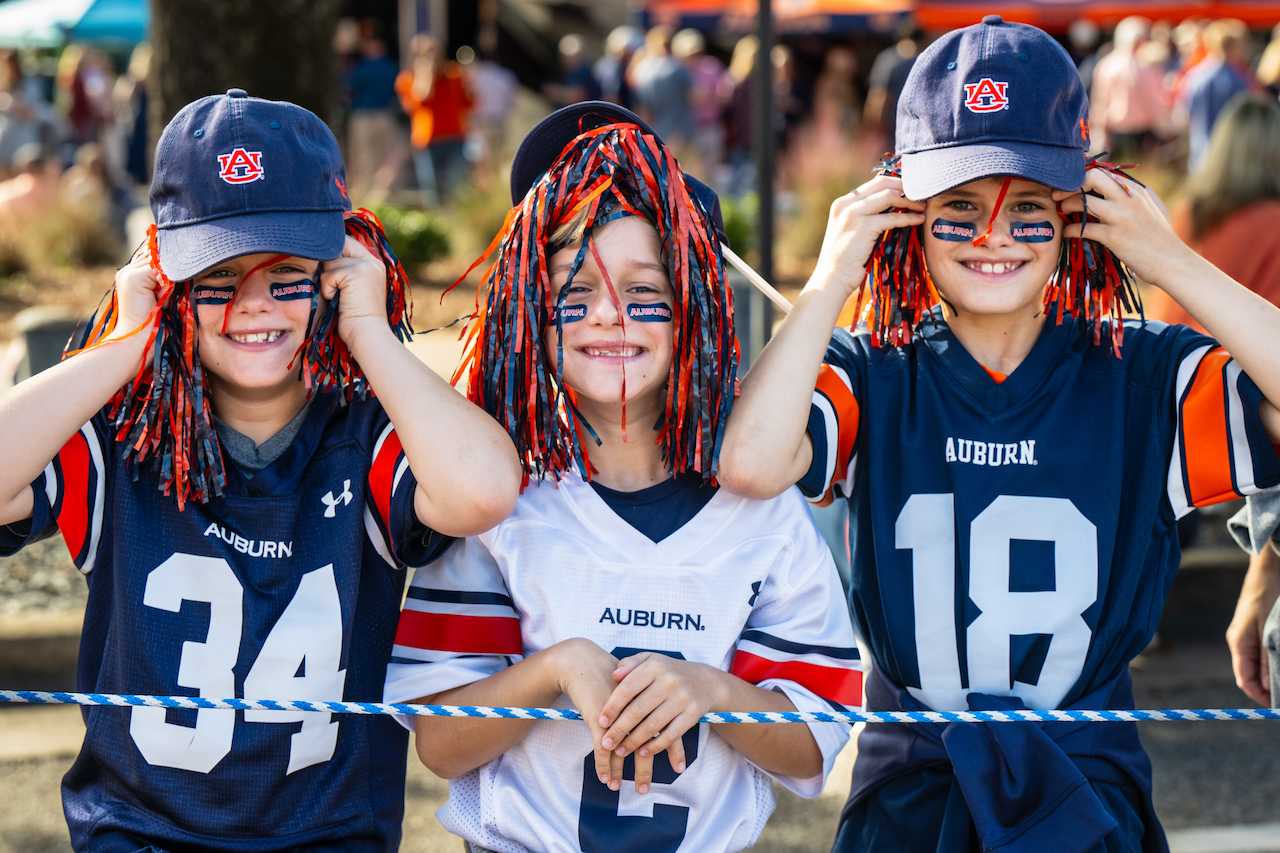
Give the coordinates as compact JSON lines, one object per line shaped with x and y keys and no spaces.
{"x":710,"y":90}
{"x":1083,"y":43}
{"x":620,"y":48}
{"x":494,"y":88}
{"x":1129,"y":102}
{"x":662,"y":86}
{"x":739,"y":167}
{"x":1232,"y":203}
{"x":26,"y":118}
{"x":435,"y":95}
{"x":577,"y":77}
{"x":1219,"y":77}
{"x":128,"y":145}
{"x":1269,"y":65}
{"x":84,"y":92}
{"x":888,"y":74}
{"x":374,"y":141}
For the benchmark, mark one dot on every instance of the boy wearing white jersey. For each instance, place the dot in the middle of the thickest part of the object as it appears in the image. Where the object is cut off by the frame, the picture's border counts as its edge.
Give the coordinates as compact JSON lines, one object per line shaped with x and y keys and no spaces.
{"x":629,"y":587}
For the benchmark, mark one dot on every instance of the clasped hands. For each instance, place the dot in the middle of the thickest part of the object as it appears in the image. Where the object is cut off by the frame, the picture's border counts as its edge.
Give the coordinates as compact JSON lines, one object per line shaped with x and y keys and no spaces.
{"x":641,"y":705}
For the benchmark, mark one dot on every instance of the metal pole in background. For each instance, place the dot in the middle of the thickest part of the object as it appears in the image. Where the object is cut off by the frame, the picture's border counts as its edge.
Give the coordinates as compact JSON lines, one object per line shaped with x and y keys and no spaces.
{"x":763,"y":125}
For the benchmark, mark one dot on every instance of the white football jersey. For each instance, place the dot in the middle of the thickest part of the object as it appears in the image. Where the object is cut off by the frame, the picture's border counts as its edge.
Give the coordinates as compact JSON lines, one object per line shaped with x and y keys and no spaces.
{"x":746,"y":586}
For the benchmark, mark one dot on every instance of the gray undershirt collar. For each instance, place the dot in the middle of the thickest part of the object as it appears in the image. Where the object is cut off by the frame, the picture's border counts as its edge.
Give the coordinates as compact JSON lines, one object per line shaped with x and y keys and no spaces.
{"x":245,"y":453}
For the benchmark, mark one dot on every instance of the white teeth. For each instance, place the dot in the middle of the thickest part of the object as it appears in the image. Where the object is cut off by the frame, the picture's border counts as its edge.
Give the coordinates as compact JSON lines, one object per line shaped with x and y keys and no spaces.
{"x":256,"y":337}
{"x":993,"y":269}
{"x":612,"y":352}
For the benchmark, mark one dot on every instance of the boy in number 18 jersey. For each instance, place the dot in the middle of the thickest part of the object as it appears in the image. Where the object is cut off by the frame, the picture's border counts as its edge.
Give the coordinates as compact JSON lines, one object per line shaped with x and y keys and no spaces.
{"x":1016,"y":457}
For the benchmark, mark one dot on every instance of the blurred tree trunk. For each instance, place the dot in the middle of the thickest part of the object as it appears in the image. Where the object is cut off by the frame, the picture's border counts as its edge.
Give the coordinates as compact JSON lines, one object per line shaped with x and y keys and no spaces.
{"x":276,"y":49}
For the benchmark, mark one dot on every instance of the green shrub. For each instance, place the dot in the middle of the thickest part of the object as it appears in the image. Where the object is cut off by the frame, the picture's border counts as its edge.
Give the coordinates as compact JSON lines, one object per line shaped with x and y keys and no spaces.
{"x":417,"y":237}
{"x":740,"y":222}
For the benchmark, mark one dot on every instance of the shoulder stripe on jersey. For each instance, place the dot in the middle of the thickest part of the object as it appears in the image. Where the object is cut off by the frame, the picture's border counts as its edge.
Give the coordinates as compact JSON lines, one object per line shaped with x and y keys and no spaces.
{"x":834,"y":387}
{"x":1177,"y":480}
{"x":1245,"y":480}
{"x":486,"y":635}
{"x":455,"y":596}
{"x":382,"y":473}
{"x":782,"y":645}
{"x":831,"y":683}
{"x":1204,"y":430}
{"x":79,"y":512}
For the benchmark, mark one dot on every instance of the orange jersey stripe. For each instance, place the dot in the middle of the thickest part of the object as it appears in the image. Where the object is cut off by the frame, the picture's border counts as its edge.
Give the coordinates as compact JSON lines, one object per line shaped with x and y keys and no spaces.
{"x":1205,"y":432}
{"x":847,"y":414}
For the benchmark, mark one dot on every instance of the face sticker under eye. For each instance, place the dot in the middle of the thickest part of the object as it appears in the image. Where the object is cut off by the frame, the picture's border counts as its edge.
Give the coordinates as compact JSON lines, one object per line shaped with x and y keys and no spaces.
{"x":955,"y":232}
{"x":649,"y":312}
{"x":569,"y":313}
{"x":286,"y":291}
{"x":212,"y":294}
{"x":1032,"y":232}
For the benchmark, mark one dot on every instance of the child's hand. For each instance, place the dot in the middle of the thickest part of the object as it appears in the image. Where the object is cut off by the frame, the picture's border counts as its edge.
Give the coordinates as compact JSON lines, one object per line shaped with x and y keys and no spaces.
{"x":362,"y":280}
{"x":136,"y":287}
{"x":854,"y":224}
{"x":584,"y":672}
{"x":658,"y":699}
{"x":1132,"y":222}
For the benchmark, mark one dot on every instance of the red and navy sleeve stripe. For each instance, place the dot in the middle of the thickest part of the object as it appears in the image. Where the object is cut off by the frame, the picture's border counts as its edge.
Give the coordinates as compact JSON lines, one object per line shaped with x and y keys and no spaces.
{"x":833,"y":432}
{"x":388,"y":489}
{"x":75,"y":486}
{"x":1220,"y":444}
{"x":443,"y":623}
{"x":831,"y":672}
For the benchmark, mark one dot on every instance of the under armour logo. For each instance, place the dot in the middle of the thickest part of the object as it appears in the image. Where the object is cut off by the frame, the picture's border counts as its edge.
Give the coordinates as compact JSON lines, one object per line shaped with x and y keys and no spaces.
{"x":755,"y":593}
{"x":331,"y":503}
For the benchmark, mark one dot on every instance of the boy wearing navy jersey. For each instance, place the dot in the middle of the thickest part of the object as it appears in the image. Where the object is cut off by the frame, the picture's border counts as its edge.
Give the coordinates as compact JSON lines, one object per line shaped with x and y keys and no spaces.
{"x":242,"y":517}
{"x":1016,"y":457}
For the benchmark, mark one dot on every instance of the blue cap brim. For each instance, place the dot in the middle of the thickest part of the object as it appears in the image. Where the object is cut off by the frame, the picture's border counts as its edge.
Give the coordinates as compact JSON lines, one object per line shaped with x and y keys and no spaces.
{"x":927,"y":173}
{"x":188,"y":250}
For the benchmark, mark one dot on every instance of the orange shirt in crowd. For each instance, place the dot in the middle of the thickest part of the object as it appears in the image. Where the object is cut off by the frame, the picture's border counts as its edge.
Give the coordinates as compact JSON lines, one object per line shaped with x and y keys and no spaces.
{"x":442,"y":114}
{"x":1246,"y":247}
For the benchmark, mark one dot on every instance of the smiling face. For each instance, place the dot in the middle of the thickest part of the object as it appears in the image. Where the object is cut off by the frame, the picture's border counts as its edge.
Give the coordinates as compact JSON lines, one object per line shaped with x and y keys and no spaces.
{"x":602,"y":340}
{"x":1007,"y":274}
{"x":263,"y":331}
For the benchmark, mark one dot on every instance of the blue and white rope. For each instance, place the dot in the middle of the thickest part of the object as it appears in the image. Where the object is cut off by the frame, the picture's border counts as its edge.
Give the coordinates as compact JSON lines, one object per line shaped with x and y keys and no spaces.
{"x":36,"y":697}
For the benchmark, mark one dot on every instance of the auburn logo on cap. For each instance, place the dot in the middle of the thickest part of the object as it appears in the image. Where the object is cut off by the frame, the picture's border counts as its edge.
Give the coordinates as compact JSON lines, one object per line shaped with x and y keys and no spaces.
{"x":986,"y":96}
{"x":240,"y":166}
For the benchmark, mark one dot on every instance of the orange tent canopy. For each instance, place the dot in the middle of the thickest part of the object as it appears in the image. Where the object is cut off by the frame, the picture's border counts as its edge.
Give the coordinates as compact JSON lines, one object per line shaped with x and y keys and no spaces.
{"x":1052,"y":15}
{"x":1057,"y":15}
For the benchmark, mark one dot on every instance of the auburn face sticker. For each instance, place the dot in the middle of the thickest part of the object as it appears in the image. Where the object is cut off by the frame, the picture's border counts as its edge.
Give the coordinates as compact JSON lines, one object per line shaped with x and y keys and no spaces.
{"x":569,"y":313}
{"x":212,"y":294}
{"x":649,"y":312}
{"x":286,"y":291}
{"x":955,"y":232}
{"x":1032,"y":232}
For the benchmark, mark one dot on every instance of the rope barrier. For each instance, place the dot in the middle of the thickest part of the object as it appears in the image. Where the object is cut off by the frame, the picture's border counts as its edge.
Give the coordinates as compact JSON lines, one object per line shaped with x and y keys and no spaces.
{"x":125,"y":700}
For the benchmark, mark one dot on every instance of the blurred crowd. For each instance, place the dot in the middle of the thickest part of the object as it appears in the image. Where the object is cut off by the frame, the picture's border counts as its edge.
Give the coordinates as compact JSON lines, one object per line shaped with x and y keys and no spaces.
{"x":1197,"y":100}
{"x":72,"y":133}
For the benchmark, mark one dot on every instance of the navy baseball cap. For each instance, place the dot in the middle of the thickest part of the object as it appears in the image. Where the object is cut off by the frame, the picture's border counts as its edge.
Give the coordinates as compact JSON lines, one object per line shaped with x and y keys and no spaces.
{"x":995,"y":98}
{"x":549,"y":137}
{"x":236,"y":175}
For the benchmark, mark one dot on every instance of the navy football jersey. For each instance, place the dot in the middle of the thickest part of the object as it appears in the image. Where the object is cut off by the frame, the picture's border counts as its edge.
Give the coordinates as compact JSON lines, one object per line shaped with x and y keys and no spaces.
{"x":1018,"y":538}
{"x":287,"y":587}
